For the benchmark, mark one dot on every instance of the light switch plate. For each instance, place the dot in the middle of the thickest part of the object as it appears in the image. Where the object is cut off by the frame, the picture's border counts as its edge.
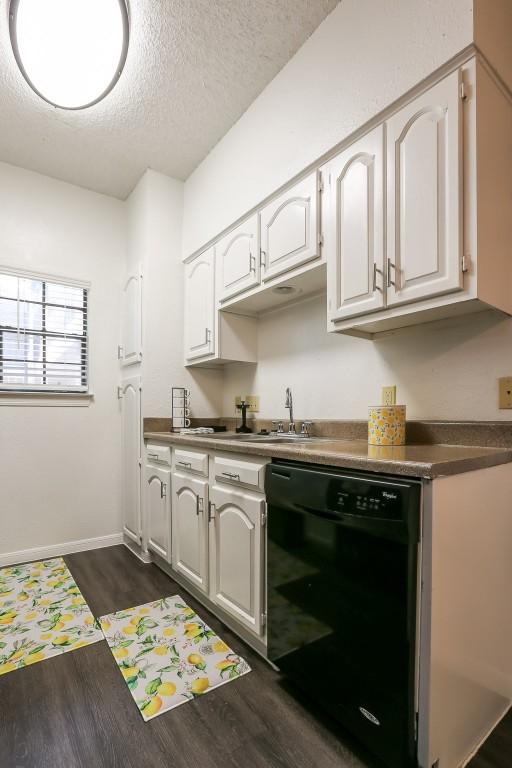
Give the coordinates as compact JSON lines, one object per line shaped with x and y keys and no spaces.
{"x":389,"y":395}
{"x":505,"y":388}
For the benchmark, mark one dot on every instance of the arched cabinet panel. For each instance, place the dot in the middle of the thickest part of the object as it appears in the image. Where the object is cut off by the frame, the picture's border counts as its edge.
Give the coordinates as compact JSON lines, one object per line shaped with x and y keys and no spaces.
{"x":290,"y":228}
{"x":237,"y":257}
{"x":424,"y":195}
{"x":354,"y":230}
{"x":158,"y":510}
{"x":238,"y":522}
{"x":200,"y":306}
{"x":189,"y":528}
{"x":130,"y":348}
{"x":131,"y":441}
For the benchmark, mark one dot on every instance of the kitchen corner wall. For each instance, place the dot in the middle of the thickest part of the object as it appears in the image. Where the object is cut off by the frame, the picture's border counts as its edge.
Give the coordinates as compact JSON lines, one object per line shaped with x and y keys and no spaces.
{"x":155,"y":218}
{"x":361,"y":58}
{"x":60,"y":466}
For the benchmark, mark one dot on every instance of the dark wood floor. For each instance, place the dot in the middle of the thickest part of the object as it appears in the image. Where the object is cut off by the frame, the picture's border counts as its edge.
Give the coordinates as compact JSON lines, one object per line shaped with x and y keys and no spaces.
{"x":75,"y":711}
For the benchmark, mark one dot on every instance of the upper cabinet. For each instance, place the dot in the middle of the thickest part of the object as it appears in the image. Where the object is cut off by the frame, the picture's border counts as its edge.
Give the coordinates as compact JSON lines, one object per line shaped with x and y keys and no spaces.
{"x":424,"y":195}
{"x":130,"y":348}
{"x":446,"y":251}
{"x":212,"y":337}
{"x":238,"y":263}
{"x":290,"y":228}
{"x":401,"y":216}
{"x":200,"y":306}
{"x":354,"y":228}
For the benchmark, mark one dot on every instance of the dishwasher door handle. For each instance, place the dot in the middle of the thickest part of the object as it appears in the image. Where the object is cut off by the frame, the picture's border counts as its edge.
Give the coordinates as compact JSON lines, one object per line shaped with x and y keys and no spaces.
{"x":325,"y":514}
{"x":382,"y":527}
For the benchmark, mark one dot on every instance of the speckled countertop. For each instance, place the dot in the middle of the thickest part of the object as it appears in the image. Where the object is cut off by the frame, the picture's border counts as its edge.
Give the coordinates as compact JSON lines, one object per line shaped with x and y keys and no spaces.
{"x":425,"y":461}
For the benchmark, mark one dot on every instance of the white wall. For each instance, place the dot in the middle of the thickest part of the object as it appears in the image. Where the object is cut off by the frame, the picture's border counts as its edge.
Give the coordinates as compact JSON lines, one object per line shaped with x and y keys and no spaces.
{"x":444,"y":370}
{"x":60,"y":466}
{"x":155,"y":215}
{"x":361,"y":58}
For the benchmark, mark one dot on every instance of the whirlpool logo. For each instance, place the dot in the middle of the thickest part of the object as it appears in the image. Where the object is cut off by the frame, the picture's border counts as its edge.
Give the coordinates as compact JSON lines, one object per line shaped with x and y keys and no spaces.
{"x":369,"y":716}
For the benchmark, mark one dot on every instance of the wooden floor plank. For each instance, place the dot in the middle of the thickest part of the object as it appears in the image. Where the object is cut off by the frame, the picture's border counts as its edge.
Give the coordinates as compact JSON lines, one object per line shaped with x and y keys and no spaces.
{"x":75,"y":711}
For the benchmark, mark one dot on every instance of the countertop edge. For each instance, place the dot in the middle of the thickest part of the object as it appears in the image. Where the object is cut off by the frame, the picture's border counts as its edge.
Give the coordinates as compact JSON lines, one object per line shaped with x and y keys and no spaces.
{"x":489,"y":456}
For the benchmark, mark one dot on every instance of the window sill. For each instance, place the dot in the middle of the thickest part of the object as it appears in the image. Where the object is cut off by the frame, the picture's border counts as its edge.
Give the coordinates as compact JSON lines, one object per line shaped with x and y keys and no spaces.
{"x":58,"y":399}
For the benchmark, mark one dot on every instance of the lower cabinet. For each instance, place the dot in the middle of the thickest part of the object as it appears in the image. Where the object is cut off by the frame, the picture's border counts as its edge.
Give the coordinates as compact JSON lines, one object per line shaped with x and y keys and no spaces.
{"x":158,"y":510}
{"x":237,"y":546}
{"x":190,"y":528}
{"x":206,"y":517}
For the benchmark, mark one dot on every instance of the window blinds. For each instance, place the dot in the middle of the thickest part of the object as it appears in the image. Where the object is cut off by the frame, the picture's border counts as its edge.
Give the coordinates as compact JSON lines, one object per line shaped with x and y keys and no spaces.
{"x":43,"y":334}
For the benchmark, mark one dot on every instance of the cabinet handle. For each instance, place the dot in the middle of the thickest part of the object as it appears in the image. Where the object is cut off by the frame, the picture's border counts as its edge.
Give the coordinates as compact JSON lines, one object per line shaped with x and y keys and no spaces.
{"x":152,"y":455}
{"x":252,"y":263}
{"x":391,"y":266}
{"x":208,"y":337}
{"x":263,"y":258}
{"x":186,"y":464}
{"x":211,"y":511}
{"x":199,"y":504}
{"x":231,"y":475}
{"x":163,"y":490}
{"x":375,"y":271}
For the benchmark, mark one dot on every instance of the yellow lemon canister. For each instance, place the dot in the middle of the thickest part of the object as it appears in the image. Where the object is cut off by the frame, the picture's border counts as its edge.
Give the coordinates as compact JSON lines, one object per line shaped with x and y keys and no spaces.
{"x":386,"y":425}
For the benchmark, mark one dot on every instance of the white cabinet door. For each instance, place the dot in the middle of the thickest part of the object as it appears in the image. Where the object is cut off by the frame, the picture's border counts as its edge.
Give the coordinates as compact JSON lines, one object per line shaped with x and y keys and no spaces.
{"x":190,"y":528}
{"x":237,"y":257}
{"x":289,"y":228}
{"x":354,"y":228}
{"x":158,"y":510}
{"x":424,"y":195}
{"x":238,"y":523}
{"x":129,"y":392}
{"x":130,"y":348}
{"x":200,"y":306}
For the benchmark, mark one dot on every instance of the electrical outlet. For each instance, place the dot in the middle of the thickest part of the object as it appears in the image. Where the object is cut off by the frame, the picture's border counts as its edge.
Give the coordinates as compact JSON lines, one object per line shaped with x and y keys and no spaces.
{"x":505,"y":386}
{"x":254,"y":403}
{"x":389,"y":395}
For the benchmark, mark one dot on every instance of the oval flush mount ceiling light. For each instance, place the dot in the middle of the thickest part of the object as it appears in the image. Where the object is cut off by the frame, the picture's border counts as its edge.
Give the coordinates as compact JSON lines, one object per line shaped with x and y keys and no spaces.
{"x":70,"y":52}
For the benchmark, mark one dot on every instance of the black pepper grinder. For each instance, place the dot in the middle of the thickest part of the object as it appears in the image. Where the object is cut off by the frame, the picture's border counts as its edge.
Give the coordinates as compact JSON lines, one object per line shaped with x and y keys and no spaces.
{"x":243,"y":406}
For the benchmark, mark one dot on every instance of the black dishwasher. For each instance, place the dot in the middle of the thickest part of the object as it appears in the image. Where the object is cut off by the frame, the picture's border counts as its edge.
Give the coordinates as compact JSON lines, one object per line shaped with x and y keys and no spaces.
{"x":342,"y":586}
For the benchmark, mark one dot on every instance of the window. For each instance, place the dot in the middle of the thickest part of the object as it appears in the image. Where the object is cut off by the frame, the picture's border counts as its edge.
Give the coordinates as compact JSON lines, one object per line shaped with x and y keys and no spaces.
{"x":43,"y":333}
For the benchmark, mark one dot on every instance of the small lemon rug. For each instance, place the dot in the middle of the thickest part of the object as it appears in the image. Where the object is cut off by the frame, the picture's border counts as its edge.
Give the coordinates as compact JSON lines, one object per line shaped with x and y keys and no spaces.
{"x":42,"y":614}
{"x":168,"y":655}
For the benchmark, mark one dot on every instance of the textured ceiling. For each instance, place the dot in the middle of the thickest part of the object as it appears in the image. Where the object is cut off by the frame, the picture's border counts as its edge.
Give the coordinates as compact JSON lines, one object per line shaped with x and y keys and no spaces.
{"x":193,"y":67}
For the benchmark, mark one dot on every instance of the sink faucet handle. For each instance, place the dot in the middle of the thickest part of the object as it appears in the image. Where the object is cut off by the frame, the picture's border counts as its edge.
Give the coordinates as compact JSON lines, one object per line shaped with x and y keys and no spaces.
{"x":291,"y":428}
{"x":306,"y":428}
{"x":274,"y":427}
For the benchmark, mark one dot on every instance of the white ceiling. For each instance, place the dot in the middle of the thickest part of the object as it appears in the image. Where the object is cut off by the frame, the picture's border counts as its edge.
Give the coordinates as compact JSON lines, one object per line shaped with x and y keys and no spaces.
{"x":193,"y":67}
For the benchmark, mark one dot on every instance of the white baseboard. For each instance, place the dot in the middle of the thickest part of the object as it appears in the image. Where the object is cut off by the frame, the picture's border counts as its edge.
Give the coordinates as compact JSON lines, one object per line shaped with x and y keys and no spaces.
{"x":54,"y":550}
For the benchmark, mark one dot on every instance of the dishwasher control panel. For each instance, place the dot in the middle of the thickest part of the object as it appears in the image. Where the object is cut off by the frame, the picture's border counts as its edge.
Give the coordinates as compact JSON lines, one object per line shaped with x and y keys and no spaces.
{"x":365,"y":498}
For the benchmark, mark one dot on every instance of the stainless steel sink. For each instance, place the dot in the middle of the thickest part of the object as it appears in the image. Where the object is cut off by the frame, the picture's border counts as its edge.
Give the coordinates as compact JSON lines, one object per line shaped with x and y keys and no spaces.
{"x":284,"y":438}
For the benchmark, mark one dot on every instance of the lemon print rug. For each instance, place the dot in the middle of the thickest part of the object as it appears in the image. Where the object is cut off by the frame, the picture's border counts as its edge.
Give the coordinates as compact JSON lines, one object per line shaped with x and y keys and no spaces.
{"x":168,"y":655}
{"x":42,"y":614}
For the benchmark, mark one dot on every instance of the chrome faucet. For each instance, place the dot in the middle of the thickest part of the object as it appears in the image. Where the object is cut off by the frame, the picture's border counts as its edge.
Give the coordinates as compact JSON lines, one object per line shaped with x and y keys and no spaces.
{"x":289,"y":404}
